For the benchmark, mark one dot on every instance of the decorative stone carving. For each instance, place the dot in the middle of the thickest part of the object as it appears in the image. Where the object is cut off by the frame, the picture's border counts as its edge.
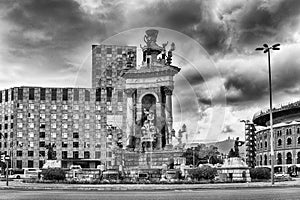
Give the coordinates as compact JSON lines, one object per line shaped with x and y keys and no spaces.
{"x":129,"y":92}
{"x":168,"y":90}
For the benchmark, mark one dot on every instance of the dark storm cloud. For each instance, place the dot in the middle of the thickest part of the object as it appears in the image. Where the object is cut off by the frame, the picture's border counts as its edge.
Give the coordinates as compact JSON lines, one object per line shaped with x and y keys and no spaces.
{"x":193,"y":18}
{"x":261,"y":21}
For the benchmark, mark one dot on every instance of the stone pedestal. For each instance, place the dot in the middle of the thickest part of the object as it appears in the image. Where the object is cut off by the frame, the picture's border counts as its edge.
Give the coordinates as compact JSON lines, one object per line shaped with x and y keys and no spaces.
{"x":234,"y":170}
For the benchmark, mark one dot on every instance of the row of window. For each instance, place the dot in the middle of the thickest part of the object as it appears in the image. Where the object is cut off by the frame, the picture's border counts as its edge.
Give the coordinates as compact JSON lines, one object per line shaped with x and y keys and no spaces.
{"x":65,"y":94}
{"x":279,"y":142}
{"x":54,"y":116}
{"x":289,"y":159}
{"x":54,"y":126}
{"x":54,"y":107}
{"x":65,"y":154}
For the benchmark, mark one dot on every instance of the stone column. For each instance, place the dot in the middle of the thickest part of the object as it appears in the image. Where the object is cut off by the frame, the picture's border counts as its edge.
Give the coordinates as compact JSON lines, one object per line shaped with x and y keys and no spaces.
{"x":129,"y":114}
{"x":168,"y":114}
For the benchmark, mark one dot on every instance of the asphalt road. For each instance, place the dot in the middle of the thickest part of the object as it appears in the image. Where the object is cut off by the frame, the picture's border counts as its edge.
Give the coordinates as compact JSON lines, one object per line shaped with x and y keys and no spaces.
{"x":286,"y":193}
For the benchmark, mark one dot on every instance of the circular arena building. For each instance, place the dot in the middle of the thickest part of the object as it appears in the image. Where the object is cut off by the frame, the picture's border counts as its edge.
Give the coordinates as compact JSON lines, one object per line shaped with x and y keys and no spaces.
{"x":286,"y":129}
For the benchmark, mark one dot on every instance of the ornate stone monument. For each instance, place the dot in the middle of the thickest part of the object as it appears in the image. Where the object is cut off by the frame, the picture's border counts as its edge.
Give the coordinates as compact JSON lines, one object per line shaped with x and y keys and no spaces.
{"x":234,"y":168}
{"x":149,"y":88}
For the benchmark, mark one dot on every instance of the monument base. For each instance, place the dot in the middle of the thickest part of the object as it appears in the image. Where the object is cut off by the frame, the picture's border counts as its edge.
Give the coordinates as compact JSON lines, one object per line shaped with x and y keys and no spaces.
{"x":234,"y":170}
{"x":52,"y":164}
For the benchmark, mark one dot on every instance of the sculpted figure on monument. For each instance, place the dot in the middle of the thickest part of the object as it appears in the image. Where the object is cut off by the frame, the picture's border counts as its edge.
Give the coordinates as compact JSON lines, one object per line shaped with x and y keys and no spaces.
{"x":237,"y":144}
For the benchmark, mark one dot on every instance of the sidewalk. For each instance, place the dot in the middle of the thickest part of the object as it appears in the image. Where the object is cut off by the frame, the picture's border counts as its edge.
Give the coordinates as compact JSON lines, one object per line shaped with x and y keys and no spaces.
{"x":18,"y":185}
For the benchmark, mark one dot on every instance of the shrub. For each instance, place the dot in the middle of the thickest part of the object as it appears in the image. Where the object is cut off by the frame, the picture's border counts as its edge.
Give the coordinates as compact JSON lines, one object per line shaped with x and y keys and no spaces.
{"x":204,"y":172}
{"x":260,"y":173}
{"x":56,"y":174}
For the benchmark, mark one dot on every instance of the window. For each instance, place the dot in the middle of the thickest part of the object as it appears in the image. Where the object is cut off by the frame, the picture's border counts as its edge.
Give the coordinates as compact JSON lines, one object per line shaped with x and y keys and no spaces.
{"x":76,"y":126}
{"x":31,"y":144}
{"x":20,"y":94}
{"x":98,"y":94}
{"x":76,"y":107}
{"x":298,"y":130}
{"x":31,"y":106}
{"x":87,"y":95}
{"x":289,"y":159}
{"x":30,"y":153}
{"x":53,"y":135}
{"x":53,"y":116}
{"x":19,"y":153}
{"x":6,"y":95}
{"x":19,"y":134}
{"x":98,"y":154}
{"x":86,"y":116}
{"x":30,"y":163}
{"x":11,"y":125}
{"x":289,"y":141}
{"x":42,"y":116}
{"x":53,"y":125}
{"x":31,"y":134}
{"x":108,"y":51}
{"x":87,"y":135}
{"x":87,"y":126}
{"x":64,"y":144}
{"x":12,"y":94}
{"x":98,"y":135}
{"x":75,"y":154}
{"x":75,"y":135}
{"x":109,"y":154}
{"x":64,"y":135}
{"x":98,"y":126}
{"x":42,"y":153}
{"x":42,"y":134}
{"x":64,"y":125}
{"x":76,"y":116}
{"x":64,"y":154}
{"x":75,"y":144}
{"x":42,"y":94}
{"x":20,"y":115}
{"x":86,"y":154}
{"x":86,"y":145}
{"x":19,"y":164}
{"x":42,"y":106}
{"x":87,"y":107}
{"x":1,"y":97}
{"x":31,"y":93}
{"x":109,"y":93}
{"x":53,"y":107}
{"x":98,"y":117}
{"x":20,"y":125}
{"x":65,"y":94}
{"x":31,"y":125}
{"x":19,"y":144}
{"x":65,"y":107}
{"x":42,"y":144}
{"x":120,"y":96}
{"x":76,"y":94}
{"x":119,"y":51}
{"x":279,"y":142}
{"x":98,"y":145}
{"x":42,"y":125}
{"x":298,"y":140}
{"x":53,"y":94}
{"x":98,"y":107}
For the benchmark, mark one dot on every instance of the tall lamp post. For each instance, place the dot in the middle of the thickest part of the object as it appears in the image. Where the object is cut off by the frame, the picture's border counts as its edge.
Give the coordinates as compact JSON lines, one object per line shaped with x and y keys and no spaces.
{"x":267,"y":49}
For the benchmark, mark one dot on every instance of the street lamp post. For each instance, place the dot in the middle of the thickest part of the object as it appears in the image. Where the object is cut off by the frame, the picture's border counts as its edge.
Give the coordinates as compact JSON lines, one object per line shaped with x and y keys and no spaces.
{"x":266,"y":49}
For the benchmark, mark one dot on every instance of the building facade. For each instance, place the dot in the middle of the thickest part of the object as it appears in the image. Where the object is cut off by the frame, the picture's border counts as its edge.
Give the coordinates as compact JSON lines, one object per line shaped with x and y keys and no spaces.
{"x":69,"y":119}
{"x":286,"y":130}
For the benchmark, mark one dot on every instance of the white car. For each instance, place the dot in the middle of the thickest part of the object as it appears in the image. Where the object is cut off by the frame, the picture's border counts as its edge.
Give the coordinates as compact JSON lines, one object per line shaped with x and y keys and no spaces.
{"x":281,"y":175}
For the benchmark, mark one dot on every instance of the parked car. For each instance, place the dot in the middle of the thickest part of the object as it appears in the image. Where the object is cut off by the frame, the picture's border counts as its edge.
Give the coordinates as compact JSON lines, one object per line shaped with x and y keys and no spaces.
{"x":281,"y":175}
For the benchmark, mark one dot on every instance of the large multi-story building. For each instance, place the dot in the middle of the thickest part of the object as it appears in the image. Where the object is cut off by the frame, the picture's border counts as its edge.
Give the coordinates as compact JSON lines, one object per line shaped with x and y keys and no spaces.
{"x":74,"y":120}
{"x":286,"y":130}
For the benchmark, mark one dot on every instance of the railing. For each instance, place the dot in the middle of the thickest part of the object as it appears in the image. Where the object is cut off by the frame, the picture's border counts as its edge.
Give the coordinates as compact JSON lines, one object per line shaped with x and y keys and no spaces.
{"x":284,"y":107}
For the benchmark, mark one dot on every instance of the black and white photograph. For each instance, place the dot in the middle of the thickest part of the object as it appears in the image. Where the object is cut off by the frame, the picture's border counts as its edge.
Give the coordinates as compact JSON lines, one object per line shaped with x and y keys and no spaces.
{"x":150,"y":99}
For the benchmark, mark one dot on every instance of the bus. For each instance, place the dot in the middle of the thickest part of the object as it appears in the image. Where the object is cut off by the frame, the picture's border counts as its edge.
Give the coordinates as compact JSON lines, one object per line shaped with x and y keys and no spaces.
{"x":23,"y":173}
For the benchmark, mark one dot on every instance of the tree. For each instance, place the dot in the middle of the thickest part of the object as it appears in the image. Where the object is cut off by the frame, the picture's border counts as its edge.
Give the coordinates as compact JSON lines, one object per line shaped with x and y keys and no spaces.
{"x":54,"y":174}
{"x":260,"y":173}
{"x":205,"y":172}
{"x":202,"y":155}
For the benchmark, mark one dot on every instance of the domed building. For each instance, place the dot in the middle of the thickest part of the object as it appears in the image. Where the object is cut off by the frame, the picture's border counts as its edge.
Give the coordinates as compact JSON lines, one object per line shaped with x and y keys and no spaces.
{"x":286,"y":129}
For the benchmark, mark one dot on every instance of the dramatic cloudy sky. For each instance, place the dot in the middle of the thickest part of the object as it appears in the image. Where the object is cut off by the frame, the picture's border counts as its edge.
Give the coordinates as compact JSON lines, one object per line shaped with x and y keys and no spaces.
{"x":223,"y":80}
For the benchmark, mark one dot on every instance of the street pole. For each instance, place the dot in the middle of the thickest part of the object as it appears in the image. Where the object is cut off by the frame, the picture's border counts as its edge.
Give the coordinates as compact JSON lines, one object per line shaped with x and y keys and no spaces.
{"x":193,"y":157}
{"x":266,"y":49}
{"x":6,"y":172}
{"x":271,"y":122}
